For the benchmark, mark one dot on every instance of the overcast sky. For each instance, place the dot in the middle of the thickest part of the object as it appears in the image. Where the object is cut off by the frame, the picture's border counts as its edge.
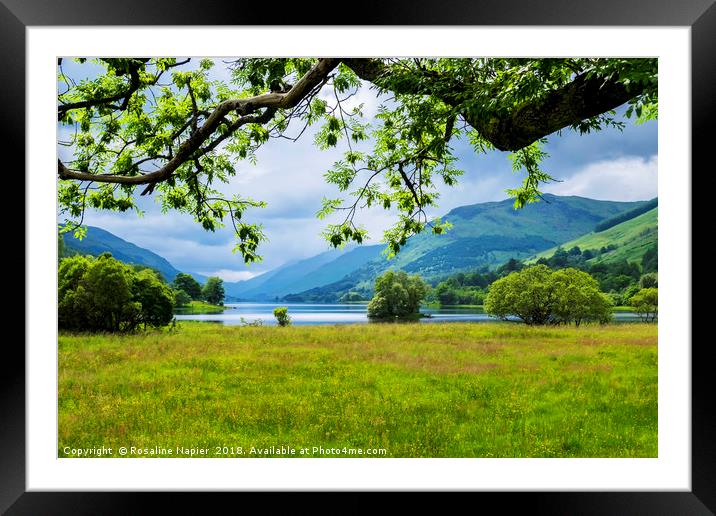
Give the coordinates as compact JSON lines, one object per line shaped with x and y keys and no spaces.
{"x":610,"y":165}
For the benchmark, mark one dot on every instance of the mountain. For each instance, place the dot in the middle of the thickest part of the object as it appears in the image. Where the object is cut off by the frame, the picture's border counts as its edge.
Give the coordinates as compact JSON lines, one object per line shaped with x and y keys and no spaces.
{"x":485,"y":234}
{"x":628,"y":240}
{"x":98,"y":241}
{"x":627,"y":215}
{"x":298,"y":276}
{"x":490,"y":233}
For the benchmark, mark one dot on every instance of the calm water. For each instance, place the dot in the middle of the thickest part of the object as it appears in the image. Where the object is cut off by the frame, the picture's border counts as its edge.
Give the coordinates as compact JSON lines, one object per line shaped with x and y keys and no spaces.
{"x":303,"y":314}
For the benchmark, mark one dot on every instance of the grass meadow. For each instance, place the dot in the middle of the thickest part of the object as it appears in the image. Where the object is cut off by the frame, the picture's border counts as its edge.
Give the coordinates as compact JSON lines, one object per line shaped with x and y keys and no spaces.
{"x":200,"y":307}
{"x":413,"y":390}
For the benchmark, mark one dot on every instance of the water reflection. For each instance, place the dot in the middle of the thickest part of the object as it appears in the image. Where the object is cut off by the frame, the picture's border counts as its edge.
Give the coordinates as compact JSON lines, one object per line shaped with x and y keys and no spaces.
{"x":312,"y":314}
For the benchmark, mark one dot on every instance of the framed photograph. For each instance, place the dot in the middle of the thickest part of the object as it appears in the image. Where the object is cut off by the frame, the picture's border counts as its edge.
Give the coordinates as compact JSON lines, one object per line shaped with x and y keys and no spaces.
{"x":418,"y":252}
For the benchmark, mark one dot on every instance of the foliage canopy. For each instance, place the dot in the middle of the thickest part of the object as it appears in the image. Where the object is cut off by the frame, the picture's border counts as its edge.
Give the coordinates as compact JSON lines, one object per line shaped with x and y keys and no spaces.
{"x":397,"y":294}
{"x":281,"y":315}
{"x":538,"y":295}
{"x":213,"y":291}
{"x":189,"y":285}
{"x":104,"y":294}
{"x":181,"y":298}
{"x":169,"y":127}
{"x":646,"y":303}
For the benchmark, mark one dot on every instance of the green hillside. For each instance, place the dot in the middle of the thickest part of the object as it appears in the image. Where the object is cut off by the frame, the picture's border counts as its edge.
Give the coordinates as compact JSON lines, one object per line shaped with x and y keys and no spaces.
{"x":483,"y":235}
{"x":496,"y":231}
{"x":627,"y":215}
{"x":631,"y":238}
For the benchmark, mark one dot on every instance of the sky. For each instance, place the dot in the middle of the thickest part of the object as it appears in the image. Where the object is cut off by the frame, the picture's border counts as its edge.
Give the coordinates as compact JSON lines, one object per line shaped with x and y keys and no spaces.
{"x":288,"y":176}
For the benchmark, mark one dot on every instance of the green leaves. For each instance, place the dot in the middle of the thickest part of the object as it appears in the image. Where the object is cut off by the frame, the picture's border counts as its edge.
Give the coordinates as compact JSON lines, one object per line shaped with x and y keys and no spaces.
{"x":529,"y":159}
{"x":340,"y":234}
{"x":141,"y":114}
{"x":537,"y":295}
{"x":397,"y":294}
{"x":107,"y":295}
{"x":329,"y":134}
{"x":328,"y":206}
{"x":249,"y":236}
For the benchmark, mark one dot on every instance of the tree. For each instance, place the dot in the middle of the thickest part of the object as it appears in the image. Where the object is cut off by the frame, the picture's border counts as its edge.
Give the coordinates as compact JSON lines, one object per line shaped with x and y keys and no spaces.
{"x":164,"y":126}
{"x":155,"y":297}
{"x":397,"y":294}
{"x":445,"y":294}
{"x":650,"y":260}
{"x":281,"y":315}
{"x":69,"y":274}
{"x":615,"y":282}
{"x":139,"y":267}
{"x":538,"y":295}
{"x":577,"y":298}
{"x":646,"y":303}
{"x":102,"y":300}
{"x":181,"y":298}
{"x":104,"y":294}
{"x":510,"y":265}
{"x":213,"y":291}
{"x":188,"y":284}
{"x":560,"y":258}
{"x":649,"y":280}
{"x":527,"y":294}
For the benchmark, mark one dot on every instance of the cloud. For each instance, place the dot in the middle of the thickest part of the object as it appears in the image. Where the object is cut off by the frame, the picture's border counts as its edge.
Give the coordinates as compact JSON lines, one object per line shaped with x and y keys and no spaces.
{"x":289,"y":176}
{"x":629,"y":178}
{"x":230,"y":275}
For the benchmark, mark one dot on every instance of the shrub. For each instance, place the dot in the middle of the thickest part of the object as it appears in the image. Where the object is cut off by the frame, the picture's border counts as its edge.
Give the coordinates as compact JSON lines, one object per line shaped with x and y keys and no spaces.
{"x":104,"y":294}
{"x":646,"y":303}
{"x":537,"y":295}
{"x":577,"y":298}
{"x":181,"y":298}
{"x":282,"y":317}
{"x":649,"y":280}
{"x":397,"y":295}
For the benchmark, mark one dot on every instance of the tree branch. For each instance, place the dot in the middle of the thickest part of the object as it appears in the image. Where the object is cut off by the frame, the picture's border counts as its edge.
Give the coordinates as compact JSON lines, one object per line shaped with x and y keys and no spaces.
{"x":409,"y":184}
{"x":583,"y":98}
{"x":578,"y":100}
{"x":124,"y":95}
{"x":247,"y":106}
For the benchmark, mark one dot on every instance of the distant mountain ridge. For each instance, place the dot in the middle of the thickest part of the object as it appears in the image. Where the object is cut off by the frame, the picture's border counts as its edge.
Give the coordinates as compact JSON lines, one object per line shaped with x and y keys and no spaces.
{"x":98,"y":241}
{"x":321,"y":269}
{"x":484,"y":234}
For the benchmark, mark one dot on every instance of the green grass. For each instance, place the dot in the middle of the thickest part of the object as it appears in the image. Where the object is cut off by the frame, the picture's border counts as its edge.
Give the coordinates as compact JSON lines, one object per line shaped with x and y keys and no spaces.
{"x":415,"y":390}
{"x":616,"y":309}
{"x":200,"y":307}
{"x":632,"y":237}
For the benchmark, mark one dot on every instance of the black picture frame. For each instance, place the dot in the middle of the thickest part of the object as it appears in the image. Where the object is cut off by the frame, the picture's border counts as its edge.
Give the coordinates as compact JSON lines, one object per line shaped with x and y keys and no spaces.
{"x":700,"y":15}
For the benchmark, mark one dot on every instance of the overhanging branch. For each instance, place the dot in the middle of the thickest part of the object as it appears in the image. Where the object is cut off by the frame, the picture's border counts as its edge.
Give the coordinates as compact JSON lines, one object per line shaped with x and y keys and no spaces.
{"x":272,"y":101}
{"x":583,"y":98}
